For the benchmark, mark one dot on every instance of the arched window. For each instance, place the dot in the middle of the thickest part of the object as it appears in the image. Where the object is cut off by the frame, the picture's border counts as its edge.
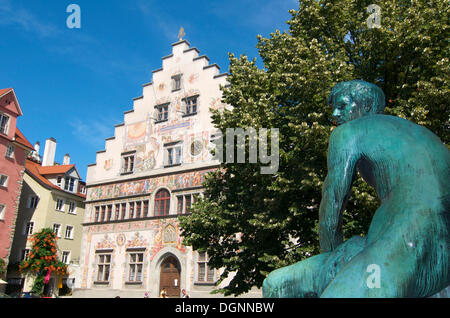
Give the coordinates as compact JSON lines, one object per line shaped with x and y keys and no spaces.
{"x":162,"y":203}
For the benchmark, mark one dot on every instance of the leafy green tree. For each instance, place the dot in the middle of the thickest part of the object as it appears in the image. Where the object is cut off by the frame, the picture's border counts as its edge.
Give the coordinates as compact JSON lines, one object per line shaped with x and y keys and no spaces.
{"x":43,"y":259}
{"x":250,"y":223}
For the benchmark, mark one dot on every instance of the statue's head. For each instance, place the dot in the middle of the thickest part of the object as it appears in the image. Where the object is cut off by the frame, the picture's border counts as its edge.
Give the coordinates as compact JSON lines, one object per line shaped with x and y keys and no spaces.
{"x":355,"y":99}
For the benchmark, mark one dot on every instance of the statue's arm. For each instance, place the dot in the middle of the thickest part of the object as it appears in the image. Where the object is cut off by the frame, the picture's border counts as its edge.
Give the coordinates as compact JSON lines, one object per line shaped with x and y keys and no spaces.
{"x":342,"y":158}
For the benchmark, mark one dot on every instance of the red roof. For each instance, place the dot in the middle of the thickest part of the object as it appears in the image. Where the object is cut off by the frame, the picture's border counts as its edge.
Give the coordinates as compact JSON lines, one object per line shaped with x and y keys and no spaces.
{"x":35,"y":170}
{"x":3,"y":91}
{"x":20,"y":138}
{"x":54,"y":169}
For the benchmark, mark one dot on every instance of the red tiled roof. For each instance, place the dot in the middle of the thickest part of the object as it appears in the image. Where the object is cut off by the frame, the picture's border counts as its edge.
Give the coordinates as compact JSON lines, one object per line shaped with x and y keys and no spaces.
{"x":20,"y":138}
{"x":54,"y":169}
{"x":3,"y":91}
{"x":35,"y":168}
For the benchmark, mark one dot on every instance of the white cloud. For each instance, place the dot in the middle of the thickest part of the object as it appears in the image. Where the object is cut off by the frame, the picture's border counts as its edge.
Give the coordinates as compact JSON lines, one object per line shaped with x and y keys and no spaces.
{"x":26,"y":20}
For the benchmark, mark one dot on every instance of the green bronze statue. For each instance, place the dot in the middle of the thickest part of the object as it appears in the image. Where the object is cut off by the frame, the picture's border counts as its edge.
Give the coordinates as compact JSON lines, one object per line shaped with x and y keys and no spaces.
{"x":406,"y":251}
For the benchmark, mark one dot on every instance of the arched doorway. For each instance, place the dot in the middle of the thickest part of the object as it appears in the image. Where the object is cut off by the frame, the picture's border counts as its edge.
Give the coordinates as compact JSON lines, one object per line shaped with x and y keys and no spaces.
{"x":170,"y":276}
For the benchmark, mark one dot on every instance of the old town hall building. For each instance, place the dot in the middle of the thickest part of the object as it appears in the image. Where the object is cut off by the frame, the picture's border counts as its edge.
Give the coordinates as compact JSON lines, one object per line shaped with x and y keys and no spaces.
{"x":149,"y":173}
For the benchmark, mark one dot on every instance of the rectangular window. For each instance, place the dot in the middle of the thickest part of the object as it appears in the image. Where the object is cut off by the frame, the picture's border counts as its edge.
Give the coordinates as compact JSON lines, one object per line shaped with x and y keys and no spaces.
{"x":2,"y":211}
{"x":109,"y":213}
{"x":205,"y":273}
{"x":69,"y":184}
{"x":59,"y":181}
{"x":97,"y":214}
{"x":103,"y":215}
{"x":136,"y":264}
{"x":65,"y":257}
{"x":25,"y":254}
{"x":145,"y":212}
{"x":162,"y":112}
{"x":176,"y":82}
{"x":117,"y":215}
{"x":32,"y":202}
{"x":72,"y":207}
{"x":138,"y":209}
{"x":128,"y":163}
{"x":3,"y":180}
{"x":103,"y":267}
{"x":173,"y":155}
{"x":131,"y":210}
{"x":57,"y":229}
{"x":180,"y":201}
{"x":29,"y":228}
{"x":10,"y":151}
{"x":69,"y":232}
{"x":124,"y":210}
{"x":4,"y":121}
{"x":60,"y":205}
{"x":191,"y":105}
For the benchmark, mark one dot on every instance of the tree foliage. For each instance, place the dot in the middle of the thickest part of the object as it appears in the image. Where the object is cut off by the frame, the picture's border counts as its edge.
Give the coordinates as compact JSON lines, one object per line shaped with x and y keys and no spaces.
{"x":43,"y":259}
{"x":276,"y":216}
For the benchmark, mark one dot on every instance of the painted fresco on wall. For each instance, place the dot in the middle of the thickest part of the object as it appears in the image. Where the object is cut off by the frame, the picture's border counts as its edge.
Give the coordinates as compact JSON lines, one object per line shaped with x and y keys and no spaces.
{"x":136,"y":134}
{"x":146,"y":186}
{"x":136,"y":241}
{"x":106,"y":243}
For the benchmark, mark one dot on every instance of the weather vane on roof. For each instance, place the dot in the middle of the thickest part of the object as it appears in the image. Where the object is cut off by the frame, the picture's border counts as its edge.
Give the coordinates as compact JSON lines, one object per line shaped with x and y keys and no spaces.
{"x":181,"y":34}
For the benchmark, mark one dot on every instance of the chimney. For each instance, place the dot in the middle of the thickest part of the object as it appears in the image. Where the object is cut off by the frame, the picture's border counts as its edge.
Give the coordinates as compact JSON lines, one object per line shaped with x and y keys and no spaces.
{"x":49,"y":152}
{"x":37,"y":146}
{"x":66,"y":160}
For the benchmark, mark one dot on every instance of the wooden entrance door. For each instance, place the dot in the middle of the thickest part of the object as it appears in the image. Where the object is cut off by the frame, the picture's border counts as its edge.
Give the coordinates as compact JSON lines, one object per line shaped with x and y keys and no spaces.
{"x":170,"y":277}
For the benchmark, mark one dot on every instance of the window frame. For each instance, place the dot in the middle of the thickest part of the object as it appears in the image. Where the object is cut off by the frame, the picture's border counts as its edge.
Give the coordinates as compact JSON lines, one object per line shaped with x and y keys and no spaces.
{"x":165,"y":199}
{"x":67,"y":257}
{"x":162,"y":113}
{"x":135,"y":264}
{"x":177,"y":148}
{"x":11,"y":149}
{"x":71,"y":232}
{"x":29,"y":228}
{"x":4,"y":129}
{"x":103,"y":265}
{"x":2,"y":211}
{"x":188,"y":107}
{"x":58,"y":232}
{"x":6,"y":178}
{"x":61,"y":208}
{"x":204,"y":261}
{"x":128,"y":163}
{"x":74,"y":210}
{"x":177,"y":83}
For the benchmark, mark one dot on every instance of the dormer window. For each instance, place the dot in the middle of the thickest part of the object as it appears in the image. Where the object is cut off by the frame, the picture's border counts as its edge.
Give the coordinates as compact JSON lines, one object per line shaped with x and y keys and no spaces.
{"x":162,"y":112}
{"x":4,"y":121}
{"x":176,"y":82}
{"x":59,"y":181}
{"x":69,"y":184}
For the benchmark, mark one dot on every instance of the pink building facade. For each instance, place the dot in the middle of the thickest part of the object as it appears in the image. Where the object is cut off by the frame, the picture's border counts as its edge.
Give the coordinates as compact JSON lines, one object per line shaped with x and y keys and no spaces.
{"x":14,"y":148}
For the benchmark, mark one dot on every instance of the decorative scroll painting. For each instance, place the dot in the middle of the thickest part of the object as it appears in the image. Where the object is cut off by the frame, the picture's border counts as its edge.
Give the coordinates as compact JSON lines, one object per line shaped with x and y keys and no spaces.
{"x":145,"y":186}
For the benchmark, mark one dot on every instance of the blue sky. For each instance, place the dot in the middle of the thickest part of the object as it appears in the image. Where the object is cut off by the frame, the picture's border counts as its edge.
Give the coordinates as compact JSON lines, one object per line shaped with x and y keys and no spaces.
{"x":75,"y":84}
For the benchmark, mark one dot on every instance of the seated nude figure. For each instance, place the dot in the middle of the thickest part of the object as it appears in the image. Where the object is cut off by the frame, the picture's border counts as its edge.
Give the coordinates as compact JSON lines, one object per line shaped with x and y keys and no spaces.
{"x":408,"y":238}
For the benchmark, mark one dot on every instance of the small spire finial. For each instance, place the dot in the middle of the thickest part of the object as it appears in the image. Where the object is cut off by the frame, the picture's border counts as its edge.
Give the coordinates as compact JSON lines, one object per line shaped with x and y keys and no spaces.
{"x":181,"y":34}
